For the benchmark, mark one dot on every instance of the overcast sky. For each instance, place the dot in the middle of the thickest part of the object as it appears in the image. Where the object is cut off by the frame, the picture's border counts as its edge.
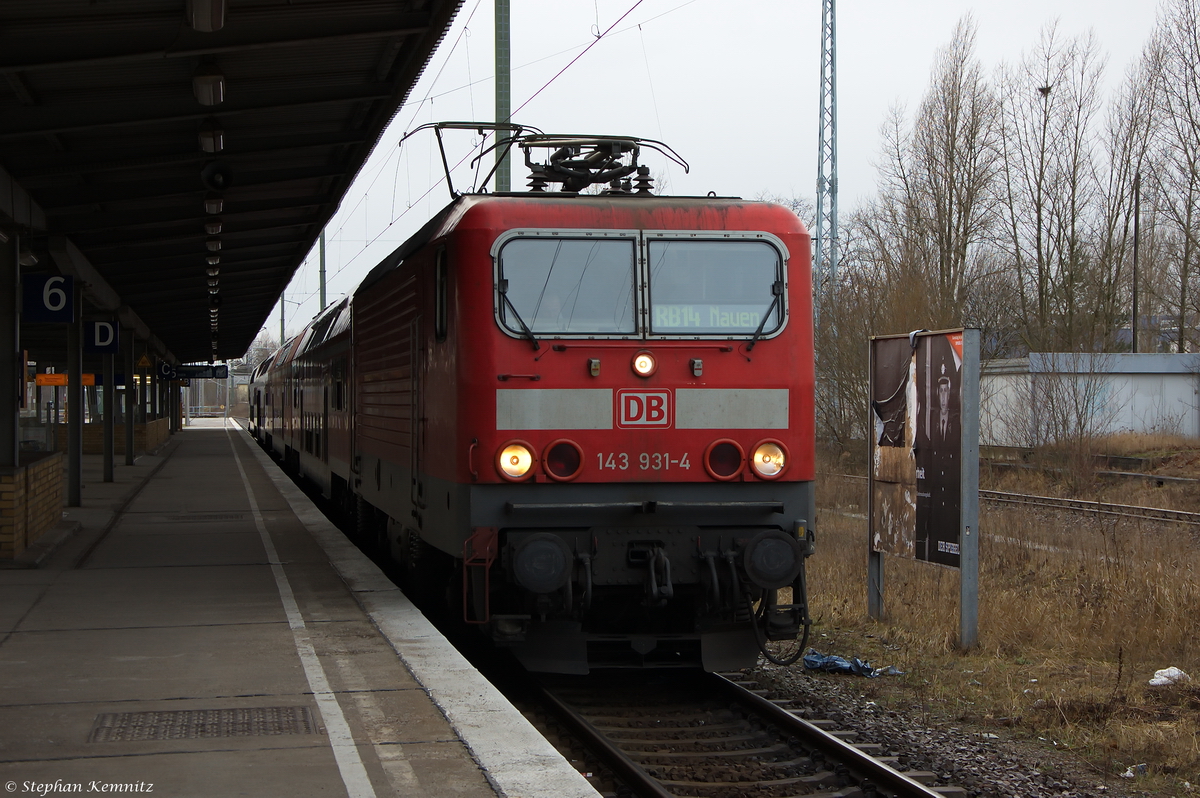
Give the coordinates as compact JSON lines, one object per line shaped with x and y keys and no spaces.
{"x":732,"y":87}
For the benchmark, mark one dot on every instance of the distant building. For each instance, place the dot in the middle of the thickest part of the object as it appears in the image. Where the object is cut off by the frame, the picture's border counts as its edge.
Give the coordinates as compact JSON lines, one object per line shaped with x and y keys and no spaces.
{"x":1047,"y":397}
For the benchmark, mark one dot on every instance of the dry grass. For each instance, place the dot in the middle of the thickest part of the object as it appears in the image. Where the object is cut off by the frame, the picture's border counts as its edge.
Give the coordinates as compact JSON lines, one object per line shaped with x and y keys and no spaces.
{"x":1075,"y":616}
{"x":1145,"y":444}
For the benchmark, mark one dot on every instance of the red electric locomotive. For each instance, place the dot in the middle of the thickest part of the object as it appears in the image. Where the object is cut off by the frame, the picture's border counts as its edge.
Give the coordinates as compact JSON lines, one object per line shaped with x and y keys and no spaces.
{"x":585,"y":420}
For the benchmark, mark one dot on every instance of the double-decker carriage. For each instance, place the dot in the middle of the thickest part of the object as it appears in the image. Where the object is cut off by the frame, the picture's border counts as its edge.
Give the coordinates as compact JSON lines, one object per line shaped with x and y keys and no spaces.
{"x":583,"y":420}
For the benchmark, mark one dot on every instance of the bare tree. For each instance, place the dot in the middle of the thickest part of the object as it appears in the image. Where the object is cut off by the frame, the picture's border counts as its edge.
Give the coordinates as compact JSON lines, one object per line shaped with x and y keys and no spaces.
{"x":1051,"y":99}
{"x":935,"y":208}
{"x":260,"y":349}
{"x":854,"y":313}
{"x":1060,"y":403}
{"x":911,"y":259}
{"x":1125,"y":143}
{"x":1176,"y":61}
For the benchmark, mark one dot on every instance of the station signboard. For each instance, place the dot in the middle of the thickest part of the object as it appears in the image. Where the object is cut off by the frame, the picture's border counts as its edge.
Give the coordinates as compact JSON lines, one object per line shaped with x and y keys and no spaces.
{"x":201,"y":372}
{"x":60,"y":379}
{"x":48,"y":299}
{"x":101,"y":337}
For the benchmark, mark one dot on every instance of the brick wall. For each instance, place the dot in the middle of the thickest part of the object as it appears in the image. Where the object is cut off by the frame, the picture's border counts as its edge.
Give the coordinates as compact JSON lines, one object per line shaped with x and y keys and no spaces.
{"x":146,"y":437}
{"x":31,"y":499}
{"x":43,"y":496}
{"x":154,"y":434}
{"x":12,"y":512}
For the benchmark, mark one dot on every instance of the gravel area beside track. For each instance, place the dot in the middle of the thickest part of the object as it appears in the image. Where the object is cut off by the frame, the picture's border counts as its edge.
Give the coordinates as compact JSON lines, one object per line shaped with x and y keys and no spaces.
{"x":992,"y":766}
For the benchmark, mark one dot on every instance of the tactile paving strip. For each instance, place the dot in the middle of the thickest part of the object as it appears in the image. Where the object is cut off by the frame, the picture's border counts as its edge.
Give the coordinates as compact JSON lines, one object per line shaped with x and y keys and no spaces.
{"x":193,"y":724}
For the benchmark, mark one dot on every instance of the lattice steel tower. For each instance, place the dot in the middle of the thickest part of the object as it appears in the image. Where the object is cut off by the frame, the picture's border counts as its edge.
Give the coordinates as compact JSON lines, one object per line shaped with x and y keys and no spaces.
{"x":825,"y":249}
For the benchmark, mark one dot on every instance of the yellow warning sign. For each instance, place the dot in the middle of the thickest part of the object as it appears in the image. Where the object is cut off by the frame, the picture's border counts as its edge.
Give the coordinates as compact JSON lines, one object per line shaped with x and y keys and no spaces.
{"x":144,"y":363}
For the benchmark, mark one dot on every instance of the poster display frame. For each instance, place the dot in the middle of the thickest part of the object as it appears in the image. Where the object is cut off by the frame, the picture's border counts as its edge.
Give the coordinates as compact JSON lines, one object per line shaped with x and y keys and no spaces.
{"x":923,"y":461}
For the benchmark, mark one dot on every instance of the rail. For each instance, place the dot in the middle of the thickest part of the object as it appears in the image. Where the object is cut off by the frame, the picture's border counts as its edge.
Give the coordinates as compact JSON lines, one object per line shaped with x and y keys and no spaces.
{"x":713,"y":735}
{"x":1077,"y":505}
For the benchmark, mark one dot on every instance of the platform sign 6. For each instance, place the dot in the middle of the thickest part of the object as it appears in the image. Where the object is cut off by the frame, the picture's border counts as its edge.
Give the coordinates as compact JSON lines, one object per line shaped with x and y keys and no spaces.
{"x":101,"y":336}
{"x":49,"y":298}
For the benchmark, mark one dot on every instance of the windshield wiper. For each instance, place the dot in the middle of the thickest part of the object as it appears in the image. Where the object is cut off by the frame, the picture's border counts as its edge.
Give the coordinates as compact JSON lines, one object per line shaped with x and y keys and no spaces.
{"x":524,"y":327}
{"x":777,"y":290}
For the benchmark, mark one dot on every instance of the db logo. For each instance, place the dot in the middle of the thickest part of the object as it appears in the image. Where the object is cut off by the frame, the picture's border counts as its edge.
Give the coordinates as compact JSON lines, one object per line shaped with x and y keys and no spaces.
{"x":644,"y":409}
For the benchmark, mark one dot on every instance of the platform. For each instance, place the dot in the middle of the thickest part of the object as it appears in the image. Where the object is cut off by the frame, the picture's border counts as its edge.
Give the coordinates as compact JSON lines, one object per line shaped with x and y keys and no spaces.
{"x":202,"y":630}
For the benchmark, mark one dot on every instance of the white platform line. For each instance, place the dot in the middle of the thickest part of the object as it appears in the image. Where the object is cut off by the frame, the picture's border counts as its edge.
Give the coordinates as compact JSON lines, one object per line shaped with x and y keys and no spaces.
{"x":350,"y":765}
{"x":515,"y":758}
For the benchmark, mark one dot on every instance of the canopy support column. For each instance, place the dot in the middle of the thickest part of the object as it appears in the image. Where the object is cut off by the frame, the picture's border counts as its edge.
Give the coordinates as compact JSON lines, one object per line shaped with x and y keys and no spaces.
{"x":75,"y":406}
{"x":12,"y":369}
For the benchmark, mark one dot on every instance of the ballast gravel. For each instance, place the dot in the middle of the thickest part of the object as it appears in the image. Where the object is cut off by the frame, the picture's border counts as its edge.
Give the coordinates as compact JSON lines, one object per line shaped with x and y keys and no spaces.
{"x":982,"y":762}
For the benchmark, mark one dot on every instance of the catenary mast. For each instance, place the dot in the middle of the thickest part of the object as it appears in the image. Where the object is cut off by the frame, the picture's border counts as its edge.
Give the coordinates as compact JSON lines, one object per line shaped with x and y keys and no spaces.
{"x":825,"y":250}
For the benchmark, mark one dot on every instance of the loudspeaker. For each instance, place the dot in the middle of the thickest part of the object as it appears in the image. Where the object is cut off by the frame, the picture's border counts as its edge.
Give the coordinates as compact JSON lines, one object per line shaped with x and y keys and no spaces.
{"x":216,"y":176}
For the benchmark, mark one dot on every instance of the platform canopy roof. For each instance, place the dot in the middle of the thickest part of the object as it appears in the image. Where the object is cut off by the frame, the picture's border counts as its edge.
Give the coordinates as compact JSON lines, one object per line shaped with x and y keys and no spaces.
{"x":124,"y":124}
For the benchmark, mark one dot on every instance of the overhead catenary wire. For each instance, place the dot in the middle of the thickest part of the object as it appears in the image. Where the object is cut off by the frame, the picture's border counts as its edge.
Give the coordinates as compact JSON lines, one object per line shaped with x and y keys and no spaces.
{"x":571,"y":63}
{"x":556,"y":54}
{"x":378,"y":171}
{"x":429,"y":98}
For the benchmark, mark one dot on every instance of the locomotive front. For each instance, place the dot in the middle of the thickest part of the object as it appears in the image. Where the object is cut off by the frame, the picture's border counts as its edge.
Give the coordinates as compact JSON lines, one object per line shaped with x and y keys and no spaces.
{"x":637,"y":403}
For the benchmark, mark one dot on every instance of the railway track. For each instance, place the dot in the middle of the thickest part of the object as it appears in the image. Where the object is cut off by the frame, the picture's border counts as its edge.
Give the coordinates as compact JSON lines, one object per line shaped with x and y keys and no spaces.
{"x":674,"y":734}
{"x":1078,"y":505}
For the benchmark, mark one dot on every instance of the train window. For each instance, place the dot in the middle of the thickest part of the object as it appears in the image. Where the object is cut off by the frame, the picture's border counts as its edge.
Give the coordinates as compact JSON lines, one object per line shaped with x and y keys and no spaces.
{"x":572,"y":286}
{"x":441,"y":296}
{"x":714,"y":287}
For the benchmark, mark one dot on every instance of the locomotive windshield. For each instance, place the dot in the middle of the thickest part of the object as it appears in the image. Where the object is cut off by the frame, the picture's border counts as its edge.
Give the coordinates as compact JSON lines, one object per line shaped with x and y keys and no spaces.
{"x":707,"y":287}
{"x":661,"y":284}
{"x":563,"y":285}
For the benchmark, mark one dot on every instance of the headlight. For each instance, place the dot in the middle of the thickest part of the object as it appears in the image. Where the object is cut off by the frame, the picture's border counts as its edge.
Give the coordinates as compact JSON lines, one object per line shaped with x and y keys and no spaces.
{"x":770,"y":459}
{"x":515,"y":460}
{"x":724,"y":459}
{"x":644,"y":364}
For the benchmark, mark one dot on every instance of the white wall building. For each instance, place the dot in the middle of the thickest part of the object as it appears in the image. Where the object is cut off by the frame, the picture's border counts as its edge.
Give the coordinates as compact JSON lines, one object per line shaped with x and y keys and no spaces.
{"x":1048,"y":396}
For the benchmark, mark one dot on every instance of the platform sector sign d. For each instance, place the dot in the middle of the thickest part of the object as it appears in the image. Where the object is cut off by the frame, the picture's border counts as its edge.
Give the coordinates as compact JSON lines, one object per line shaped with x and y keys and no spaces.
{"x":102,"y":337}
{"x":47,"y":299}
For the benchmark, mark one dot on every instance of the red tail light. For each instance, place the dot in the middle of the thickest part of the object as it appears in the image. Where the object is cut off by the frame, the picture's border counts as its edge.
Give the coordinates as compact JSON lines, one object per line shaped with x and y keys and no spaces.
{"x":563,"y":460}
{"x":724,"y":459}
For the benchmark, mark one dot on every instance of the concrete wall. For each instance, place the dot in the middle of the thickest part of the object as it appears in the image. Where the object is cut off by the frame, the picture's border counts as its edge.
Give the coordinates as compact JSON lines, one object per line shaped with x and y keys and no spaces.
{"x":1024,"y":401}
{"x":31,"y":499}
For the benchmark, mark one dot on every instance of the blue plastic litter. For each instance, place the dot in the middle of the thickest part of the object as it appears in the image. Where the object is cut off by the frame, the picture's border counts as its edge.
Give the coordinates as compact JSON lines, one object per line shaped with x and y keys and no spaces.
{"x":816,"y":661}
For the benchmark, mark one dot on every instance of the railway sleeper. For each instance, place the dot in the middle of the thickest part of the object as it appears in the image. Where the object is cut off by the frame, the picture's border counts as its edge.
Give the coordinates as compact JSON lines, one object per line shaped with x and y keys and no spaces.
{"x":824,"y":779}
{"x":679,"y":742}
{"x":743,"y":753}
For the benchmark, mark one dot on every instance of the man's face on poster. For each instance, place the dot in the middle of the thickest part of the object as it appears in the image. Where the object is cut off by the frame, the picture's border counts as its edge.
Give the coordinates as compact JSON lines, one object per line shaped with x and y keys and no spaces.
{"x":944,"y":397}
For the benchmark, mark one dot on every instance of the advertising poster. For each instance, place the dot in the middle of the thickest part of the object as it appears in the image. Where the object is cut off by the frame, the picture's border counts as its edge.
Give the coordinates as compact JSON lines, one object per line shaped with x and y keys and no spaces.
{"x":916,"y":446}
